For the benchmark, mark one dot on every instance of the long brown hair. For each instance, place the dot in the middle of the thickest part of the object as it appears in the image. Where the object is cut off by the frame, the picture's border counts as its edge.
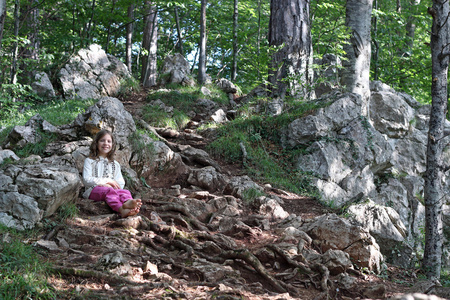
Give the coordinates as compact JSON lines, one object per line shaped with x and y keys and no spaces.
{"x":94,"y":146}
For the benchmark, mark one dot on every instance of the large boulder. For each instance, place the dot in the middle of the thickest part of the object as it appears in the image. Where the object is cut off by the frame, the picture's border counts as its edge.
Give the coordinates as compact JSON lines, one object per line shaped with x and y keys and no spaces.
{"x":42,"y":85}
{"x":332,"y":232}
{"x":381,"y":155}
{"x":207,"y":178}
{"x":30,"y":192}
{"x":92,"y":74}
{"x":386,"y":226}
{"x":107,"y":113}
{"x":337,"y":115}
{"x":390,"y":114}
{"x":176,"y":69}
{"x":157,"y":163}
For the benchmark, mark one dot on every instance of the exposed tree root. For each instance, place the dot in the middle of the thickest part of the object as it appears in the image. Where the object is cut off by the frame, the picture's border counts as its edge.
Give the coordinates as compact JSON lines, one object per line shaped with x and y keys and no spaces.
{"x":112,"y":278}
{"x":182,"y":209}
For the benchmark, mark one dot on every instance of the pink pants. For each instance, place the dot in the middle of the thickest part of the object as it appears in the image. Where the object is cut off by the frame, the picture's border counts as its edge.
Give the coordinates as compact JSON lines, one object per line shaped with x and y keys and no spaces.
{"x":113,"y":197}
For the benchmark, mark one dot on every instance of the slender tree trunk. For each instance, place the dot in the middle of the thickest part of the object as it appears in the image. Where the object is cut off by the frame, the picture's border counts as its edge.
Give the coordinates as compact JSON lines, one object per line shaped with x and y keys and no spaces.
{"x":88,"y":30}
{"x":108,"y":36}
{"x":202,"y":45}
{"x":2,"y":19}
{"x":258,"y":39}
{"x":290,"y":71}
{"x":235,"y":41}
{"x":129,"y":39}
{"x":150,"y":43}
{"x":375,"y":42}
{"x":15,"y":49}
{"x":358,"y":51}
{"x":440,"y":52}
{"x":180,"y":35}
{"x":32,"y":21}
{"x":411,"y":26}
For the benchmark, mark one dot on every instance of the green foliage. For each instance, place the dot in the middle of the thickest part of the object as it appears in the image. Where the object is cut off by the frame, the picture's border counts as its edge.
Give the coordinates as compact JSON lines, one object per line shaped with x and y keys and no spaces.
{"x":328,"y":39}
{"x":128,"y":86}
{"x":183,"y":100}
{"x":259,"y":137}
{"x":36,"y":148}
{"x":56,"y":112}
{"x":250,"y":195}
{"x":16,"y":97}
{"x":403,"y":62}
{"x":68,"y":210}
{"x":23,"y":272}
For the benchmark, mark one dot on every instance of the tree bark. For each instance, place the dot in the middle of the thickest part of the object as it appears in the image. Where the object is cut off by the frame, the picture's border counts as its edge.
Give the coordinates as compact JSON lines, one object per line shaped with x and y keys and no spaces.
{"x":2,"y":19}
{"x":108,"y":35}
{"x":91,"y":21}
{"x":180,"y":35}
{"x":411,"y":26}
{"x":290,"y":70}
{"x":258,"y":39}
{"x":376,"y":51}
{"x":202,"y":45}
{"x":440,"y":52}
{"x":235,"y":41}
{"x":32,"y":22}
{"x":150,"y":43}
{"x":15,"y":50}
{"x":356,"y":69}
{"x":129,"y":38}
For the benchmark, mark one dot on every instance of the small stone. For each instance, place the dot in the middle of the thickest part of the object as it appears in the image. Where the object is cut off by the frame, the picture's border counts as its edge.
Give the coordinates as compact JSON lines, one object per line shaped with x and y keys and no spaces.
{"x":377,"y":291}
{"x":151,"y":268}
{"x":48,"y":245}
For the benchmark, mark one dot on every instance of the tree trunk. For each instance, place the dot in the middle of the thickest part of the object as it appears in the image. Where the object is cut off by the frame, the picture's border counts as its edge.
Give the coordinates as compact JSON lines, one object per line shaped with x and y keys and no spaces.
{"x":2,"y":19}
{"x":411,"y":27}
{"x":376,"y":51}
{"x":32,"y":22}
{"x":180,"y":36}
{"x":91,"y":21}
{"x":258,"y":39}
{"x":356,"y":69}
{"x":150,"y":43}
{"x":235,"y":41}
{"x":202,"y":45}
{"x":290,"y":70}
{"x":440,"y":52}
{"x":108,"y":35}
{"x":129,"y":39}
{"x":15,"y":49}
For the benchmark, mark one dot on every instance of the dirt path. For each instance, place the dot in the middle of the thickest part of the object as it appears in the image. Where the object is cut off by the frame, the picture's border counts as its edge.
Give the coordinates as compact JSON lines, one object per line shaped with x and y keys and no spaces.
{"x":174,"y":255}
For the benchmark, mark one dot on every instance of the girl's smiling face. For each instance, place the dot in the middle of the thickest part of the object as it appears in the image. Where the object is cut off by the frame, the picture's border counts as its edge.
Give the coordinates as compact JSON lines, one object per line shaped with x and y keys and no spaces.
{"x":104,"y":145}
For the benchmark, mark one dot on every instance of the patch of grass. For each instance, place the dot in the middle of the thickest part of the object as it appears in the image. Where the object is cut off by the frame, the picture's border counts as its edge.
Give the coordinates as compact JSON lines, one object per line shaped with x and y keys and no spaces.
{"x":266,"y":160}
{"x":63,"y":112}
{"x":37,"y":148}
{"x":184,"y":98}
{"x":67,"y":211}
{"x":57,"y":112}
{"x":250,"y":195}
{"x":128,"y":86}
{"x":23,"y":271}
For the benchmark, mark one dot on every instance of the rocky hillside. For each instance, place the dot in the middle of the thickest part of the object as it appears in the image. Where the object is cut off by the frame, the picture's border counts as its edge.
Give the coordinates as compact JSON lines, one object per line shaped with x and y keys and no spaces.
{"x":206,"y":230}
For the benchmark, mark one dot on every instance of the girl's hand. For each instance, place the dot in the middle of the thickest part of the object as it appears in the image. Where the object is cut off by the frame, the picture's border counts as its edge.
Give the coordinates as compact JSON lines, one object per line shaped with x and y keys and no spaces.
{"x":113,"y":184}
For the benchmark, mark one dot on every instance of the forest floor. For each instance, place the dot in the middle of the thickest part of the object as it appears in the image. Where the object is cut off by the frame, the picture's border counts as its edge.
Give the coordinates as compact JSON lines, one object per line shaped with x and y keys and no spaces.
{"x":97,"y":231}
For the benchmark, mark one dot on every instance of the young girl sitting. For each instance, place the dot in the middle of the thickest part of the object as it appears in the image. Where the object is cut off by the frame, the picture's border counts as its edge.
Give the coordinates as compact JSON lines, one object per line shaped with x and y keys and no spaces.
{"x":103,"y":179}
